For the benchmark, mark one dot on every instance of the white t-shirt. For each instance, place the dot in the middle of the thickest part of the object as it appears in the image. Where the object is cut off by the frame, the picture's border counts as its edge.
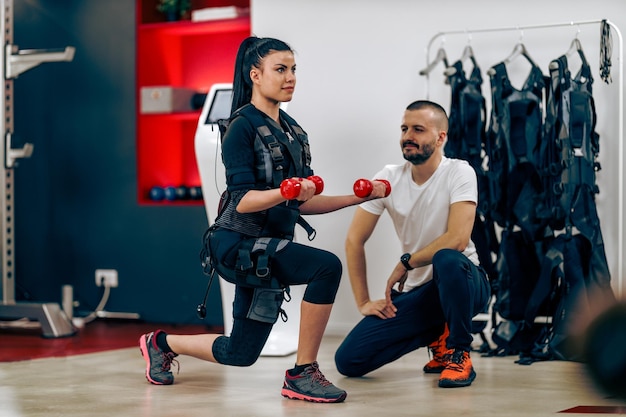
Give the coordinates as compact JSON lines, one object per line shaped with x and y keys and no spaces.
{"x":420,"y":212}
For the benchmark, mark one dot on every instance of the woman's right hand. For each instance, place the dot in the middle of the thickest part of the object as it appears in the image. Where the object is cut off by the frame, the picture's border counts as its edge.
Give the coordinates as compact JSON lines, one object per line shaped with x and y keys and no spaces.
{"x":307,"y":190}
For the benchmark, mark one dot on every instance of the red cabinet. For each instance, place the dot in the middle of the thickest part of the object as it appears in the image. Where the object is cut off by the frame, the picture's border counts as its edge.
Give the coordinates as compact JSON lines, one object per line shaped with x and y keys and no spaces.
{"x":182,"y":55}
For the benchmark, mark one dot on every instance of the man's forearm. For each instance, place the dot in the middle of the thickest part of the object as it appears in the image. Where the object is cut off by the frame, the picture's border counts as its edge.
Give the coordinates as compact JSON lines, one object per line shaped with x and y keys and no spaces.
{"x":357,"y":271}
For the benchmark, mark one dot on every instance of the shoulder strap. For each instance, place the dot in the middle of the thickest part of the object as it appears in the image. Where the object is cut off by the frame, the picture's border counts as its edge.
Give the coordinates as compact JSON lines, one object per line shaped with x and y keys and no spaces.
{"x":301,"y":134}
{"x":269,"y":140}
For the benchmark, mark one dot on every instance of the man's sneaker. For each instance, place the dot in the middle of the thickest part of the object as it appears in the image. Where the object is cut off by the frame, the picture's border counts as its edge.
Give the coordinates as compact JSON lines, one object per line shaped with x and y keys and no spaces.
{"x":158,"y":363}
{"x":459,"y":372}
{"x":438,"y":351}
{"x":312,"y":385}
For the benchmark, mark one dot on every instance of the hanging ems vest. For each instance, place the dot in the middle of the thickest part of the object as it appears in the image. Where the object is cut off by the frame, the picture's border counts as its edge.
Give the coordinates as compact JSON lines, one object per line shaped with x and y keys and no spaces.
{"x":571,"y":148}
{"x":569,"y":275}
{"x":466,"y":133}
{"x":515,"y":193}
{"x":514,"y":138}
{"x":466,"y":138}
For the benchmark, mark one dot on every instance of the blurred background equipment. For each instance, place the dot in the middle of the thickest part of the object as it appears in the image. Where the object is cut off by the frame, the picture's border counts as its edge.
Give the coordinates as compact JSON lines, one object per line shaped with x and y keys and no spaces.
{"x":605,"y":353}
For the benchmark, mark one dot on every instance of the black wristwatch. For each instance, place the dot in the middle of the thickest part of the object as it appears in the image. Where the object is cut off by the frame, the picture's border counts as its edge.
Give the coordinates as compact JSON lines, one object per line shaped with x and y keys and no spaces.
{"x":405,"y":261}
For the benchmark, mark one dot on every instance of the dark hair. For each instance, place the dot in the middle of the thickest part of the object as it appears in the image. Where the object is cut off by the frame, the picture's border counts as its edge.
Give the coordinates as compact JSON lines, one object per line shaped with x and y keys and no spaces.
{"x":426,"y":104}
{"x":250,"y":54}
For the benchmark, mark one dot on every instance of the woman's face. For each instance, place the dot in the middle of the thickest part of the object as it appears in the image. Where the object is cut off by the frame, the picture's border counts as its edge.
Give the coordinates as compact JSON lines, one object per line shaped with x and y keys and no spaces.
{"x":276,"y":79}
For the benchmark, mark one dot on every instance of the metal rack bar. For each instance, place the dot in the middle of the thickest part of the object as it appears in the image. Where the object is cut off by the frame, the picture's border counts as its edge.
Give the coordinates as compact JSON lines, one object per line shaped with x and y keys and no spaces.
{"x":620,"y":127}
{"x":54,"y":322}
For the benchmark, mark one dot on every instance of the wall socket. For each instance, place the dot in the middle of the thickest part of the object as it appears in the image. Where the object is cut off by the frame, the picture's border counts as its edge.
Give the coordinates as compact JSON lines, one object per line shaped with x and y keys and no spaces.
{"x":106,"y":277}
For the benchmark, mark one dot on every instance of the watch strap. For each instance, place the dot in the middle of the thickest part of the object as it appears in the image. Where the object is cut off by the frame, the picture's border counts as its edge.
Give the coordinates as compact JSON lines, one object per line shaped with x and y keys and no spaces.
{"x":405,"y":261}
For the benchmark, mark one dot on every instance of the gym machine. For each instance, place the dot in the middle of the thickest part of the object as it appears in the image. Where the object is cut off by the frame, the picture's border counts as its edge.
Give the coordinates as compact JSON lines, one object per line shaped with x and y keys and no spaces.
{"x":54,"y":322}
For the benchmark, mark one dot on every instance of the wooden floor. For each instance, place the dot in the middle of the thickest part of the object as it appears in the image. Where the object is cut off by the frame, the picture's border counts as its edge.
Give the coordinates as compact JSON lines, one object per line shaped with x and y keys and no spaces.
{"x":112,"y":383}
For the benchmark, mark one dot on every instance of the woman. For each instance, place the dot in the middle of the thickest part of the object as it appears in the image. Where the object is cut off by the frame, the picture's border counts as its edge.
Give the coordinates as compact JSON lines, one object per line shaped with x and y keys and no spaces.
{"x":262,"y":146}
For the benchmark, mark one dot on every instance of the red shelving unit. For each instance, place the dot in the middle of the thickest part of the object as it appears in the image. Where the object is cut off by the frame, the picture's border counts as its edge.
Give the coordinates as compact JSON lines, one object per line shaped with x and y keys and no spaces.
{"x":186,"y":54}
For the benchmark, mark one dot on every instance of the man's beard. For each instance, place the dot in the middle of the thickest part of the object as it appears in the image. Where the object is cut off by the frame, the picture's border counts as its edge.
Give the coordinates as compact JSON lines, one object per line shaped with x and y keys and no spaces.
{"x":418,"y":159}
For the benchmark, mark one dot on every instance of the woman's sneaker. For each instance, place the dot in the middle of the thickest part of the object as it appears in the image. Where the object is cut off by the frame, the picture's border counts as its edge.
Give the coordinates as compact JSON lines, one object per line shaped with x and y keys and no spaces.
{"x":312,"y":385}
{"x":158,"y":362}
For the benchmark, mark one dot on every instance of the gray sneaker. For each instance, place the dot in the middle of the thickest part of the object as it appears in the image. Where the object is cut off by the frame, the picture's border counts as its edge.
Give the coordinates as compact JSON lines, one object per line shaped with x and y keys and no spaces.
{"x":158,"y":363}
{"x":312,"y":385}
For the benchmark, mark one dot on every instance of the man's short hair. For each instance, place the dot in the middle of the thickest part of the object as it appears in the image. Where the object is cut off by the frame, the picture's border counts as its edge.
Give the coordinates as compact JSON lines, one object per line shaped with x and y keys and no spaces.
{"x":426,"y":104}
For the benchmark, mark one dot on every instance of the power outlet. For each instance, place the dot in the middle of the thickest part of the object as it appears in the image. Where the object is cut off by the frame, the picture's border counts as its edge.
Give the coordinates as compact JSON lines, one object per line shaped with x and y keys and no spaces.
{"x":106,"y":277}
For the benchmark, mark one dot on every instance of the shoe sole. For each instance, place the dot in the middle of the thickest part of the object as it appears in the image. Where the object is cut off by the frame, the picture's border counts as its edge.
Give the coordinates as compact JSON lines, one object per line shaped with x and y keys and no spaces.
{"x":297,"y":396}
{"x":451,"y":383}
{"x":434,"y":370}
{"x":143,"y":348}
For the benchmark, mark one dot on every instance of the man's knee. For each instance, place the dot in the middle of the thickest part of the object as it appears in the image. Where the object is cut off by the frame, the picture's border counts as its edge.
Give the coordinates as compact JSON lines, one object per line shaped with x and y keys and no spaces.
{"x":343,"y":362}
{"x":447,"y":257}
{"x":450,"y":265}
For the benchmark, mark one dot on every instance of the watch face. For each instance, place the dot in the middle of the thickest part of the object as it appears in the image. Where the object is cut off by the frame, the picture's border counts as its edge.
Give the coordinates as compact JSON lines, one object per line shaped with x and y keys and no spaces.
{"x":405,"y":261}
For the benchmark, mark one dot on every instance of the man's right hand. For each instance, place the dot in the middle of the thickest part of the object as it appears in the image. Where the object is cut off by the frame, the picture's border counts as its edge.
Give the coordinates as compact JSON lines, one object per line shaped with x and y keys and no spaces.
{"x":378,"y":308}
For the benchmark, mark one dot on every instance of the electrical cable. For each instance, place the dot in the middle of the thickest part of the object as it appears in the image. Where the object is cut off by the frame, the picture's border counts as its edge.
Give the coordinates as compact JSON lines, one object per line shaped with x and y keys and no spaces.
{"x":26,"y":323}
{"x":81,"y":321}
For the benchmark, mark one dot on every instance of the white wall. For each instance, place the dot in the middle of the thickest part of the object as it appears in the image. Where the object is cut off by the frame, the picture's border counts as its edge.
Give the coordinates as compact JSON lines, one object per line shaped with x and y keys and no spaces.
{"x":358,"y":64}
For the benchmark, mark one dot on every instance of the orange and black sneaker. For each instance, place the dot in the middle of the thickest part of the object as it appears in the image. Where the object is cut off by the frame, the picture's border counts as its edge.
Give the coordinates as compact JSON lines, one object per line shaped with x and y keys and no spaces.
{"x":438,"y":351}
{"x":459,"y":371}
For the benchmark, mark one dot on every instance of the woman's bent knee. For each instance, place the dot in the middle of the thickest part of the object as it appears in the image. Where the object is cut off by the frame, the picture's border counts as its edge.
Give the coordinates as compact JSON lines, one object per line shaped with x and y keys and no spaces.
{"x":245,"y":355}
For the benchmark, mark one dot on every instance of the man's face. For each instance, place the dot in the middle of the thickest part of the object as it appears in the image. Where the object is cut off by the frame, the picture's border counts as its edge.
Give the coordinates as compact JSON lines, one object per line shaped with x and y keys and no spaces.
{"x":420,"y":135}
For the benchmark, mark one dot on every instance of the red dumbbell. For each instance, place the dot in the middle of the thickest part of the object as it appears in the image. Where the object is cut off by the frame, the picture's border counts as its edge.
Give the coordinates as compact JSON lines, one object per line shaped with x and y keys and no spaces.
{"x":363,"y":187}
{"x":290,"y":187}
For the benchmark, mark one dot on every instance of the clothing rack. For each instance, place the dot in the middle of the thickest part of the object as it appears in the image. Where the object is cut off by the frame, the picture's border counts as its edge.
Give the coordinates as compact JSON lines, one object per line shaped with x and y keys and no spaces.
{"x":620,"y":83}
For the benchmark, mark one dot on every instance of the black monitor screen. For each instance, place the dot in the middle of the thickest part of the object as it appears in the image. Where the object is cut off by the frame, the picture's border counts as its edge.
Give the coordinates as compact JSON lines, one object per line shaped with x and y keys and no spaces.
{"x":220,"y":106}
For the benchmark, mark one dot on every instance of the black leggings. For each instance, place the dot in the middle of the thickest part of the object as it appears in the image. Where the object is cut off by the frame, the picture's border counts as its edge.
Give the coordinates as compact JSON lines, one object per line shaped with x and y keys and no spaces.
{"x":295,"y":264}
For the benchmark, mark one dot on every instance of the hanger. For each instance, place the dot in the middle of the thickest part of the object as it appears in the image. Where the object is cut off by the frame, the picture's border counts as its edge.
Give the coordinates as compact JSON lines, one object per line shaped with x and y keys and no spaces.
{"x":519,"y":50}
{"x":468,"y":53}
{"x":576,"y":47}
{"x":440,"y":57}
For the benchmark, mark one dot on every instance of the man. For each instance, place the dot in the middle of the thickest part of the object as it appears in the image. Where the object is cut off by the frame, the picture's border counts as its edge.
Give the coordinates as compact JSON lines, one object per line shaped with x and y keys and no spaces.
{"x":440,"y":284}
